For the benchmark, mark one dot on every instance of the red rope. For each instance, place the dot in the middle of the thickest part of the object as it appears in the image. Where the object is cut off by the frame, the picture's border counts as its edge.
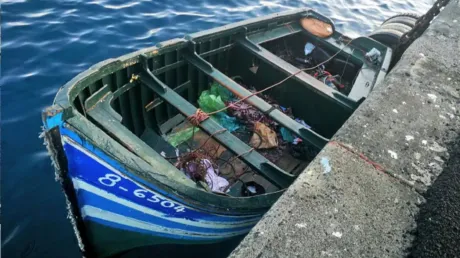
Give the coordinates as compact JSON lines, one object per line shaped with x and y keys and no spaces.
{"x":201,"y":146}
{"x":198,"y":117}
{"x":201,"y":116}
{"x":360,"y":155}
{"x":280,"y":82}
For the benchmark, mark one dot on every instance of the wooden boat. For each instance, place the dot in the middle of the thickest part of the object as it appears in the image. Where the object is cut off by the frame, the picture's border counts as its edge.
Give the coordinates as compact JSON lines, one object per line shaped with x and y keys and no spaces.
{"x":105,"y":130}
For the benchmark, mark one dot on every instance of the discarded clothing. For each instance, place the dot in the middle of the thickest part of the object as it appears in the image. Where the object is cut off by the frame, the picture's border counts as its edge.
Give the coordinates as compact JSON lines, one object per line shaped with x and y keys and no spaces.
{"x":249,"y":115}
{"x":263,"y":137}
{"x":214,"y":181}
{"x":300,"y":121}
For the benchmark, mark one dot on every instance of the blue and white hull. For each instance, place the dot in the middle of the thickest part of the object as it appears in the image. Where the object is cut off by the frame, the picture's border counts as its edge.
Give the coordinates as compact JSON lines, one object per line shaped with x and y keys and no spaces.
{"x":107,"y":195}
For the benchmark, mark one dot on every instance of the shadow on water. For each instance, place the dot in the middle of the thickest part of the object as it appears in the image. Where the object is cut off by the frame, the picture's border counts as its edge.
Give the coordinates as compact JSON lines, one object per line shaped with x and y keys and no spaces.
{"x":218,"y":250}
{"x":45,"y":43}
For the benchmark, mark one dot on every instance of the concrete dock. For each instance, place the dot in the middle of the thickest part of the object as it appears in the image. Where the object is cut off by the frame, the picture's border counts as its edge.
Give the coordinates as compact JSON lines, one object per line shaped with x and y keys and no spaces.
{"x":361,"y":196}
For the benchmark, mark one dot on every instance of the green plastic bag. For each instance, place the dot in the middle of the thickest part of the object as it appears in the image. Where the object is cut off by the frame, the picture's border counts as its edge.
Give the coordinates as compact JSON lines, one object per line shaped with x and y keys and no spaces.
{"x":219,"y":90}
{"x":177,"y":138}
{"x":209,"y":102}
{"x":212,"y":100}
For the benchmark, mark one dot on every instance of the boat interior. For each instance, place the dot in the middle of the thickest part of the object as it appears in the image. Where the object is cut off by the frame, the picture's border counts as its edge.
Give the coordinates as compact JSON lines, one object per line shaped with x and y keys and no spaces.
{"x":141,"y":105}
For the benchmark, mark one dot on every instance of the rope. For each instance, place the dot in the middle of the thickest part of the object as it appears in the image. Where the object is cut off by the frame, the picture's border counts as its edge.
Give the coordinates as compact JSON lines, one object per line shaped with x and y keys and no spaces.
{"x":379,"y":167}
{"x":201,"y":146}
{"x":282,"y":81}
{"x":201,"y":116}
{"x":361,"y":155}
{"x":198,"y":117}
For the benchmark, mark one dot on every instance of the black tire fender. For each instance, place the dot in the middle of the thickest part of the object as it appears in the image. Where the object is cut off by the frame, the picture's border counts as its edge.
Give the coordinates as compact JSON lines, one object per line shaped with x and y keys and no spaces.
{"x":388,"y":37}
{"x":403,"y":17}
{"x":396,"y":26}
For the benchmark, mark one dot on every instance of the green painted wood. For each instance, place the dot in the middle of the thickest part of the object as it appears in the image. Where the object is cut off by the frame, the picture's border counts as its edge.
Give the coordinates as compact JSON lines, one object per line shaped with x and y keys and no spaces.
{"x":179,"y":89}
{"x":170,"y":79}
{"x":102,"y":113}
{"x":192,"y":92}
{"x":275,"y":33}
{"x":93,"y":88}
{"x":124,"y":101}
{"x":160,"y":111}
{"x":289,"y":69}
{"x":258,"y":162}
{"x":303,"y":132}
{"x":169,"y":180}
{"x":214,"y":46}
{"x":92,"y":100}
{"x":136,"y":104}
{"x":73,"y":95}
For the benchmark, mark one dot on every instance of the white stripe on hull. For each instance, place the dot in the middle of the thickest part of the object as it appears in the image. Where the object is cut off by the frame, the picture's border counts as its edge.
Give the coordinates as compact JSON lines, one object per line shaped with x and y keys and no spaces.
{"x":94,"y":212}
{"x":80,"y":184}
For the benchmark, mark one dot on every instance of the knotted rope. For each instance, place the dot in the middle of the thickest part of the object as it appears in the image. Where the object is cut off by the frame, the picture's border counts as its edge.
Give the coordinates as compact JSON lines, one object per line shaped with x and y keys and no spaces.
{"x":198,"y":117}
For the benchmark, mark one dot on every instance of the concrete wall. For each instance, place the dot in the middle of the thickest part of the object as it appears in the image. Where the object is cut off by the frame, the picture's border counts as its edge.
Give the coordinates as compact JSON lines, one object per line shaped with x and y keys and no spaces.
{"x":359,"y":209}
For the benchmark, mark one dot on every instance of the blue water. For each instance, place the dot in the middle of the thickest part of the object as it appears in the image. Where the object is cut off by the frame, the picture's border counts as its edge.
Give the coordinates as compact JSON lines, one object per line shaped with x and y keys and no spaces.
{"x":46,"y":43}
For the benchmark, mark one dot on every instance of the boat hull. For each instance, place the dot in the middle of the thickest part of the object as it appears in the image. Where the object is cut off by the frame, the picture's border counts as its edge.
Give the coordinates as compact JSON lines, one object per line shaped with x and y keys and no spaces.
{"x":122,"y":193}
{"x":121,"y":212}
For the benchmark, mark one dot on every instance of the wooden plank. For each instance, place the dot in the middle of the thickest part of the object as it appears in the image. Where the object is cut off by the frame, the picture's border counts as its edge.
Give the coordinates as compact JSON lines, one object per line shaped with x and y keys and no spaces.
{"x":254,"y":159}
{"x":303,"y":132}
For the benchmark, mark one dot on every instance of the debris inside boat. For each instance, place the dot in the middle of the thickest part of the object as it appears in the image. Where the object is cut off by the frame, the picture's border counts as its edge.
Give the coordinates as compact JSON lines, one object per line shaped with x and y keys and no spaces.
{"x":191,"y":141}
{"x":217,"y":169}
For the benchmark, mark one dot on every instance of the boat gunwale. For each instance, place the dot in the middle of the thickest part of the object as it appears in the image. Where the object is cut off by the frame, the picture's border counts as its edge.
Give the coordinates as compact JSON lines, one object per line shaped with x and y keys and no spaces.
{"x":68,"y":93}
{"x":217,"y":204}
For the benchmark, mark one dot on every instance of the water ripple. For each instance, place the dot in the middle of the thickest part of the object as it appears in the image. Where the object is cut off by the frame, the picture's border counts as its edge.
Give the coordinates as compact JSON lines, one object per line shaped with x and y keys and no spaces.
{"x":149,"y":34}
{"x":47,"y":43}
{"x":104,"y":4}
{"x":39,"y":14}
{"x":16,"y":24}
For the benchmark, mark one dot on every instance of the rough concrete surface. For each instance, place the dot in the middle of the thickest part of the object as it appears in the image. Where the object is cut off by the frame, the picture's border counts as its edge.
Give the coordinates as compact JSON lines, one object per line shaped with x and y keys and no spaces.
{"x":408,"y":124}
{"x":409,"y":119}
{"x":438,"y":222}
{"x":352,"y":211}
